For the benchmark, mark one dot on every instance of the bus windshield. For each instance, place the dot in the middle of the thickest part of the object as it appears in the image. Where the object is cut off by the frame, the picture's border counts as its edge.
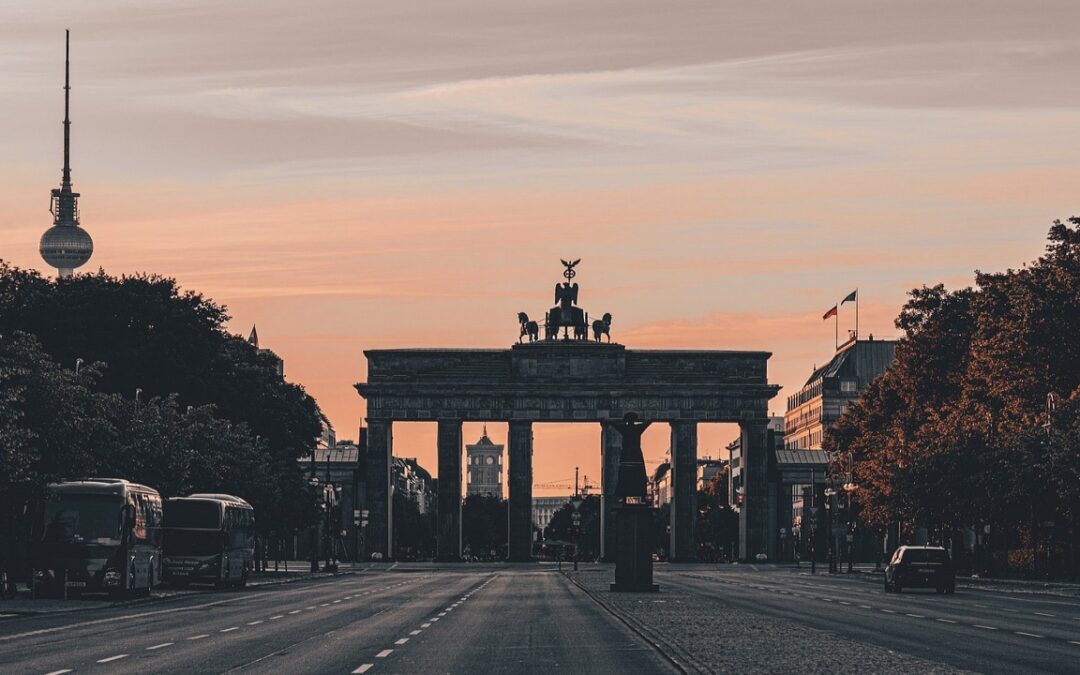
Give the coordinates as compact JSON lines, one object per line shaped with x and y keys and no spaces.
{"x":192,"y":542}
{"x":83,"y":518}
{"x":197,"y":514}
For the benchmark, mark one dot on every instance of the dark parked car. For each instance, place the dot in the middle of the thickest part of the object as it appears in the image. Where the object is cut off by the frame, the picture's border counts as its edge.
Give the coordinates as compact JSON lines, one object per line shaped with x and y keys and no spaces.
{"x":920,"y":567}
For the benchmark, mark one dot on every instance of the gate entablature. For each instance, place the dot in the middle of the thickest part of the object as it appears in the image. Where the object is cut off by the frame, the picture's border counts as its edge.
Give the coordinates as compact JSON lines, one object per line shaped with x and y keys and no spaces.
{"x":566,"y":382}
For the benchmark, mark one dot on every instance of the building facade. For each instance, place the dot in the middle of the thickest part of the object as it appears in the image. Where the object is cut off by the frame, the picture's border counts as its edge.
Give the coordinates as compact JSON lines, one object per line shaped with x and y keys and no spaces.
{"x":830,"y":389}
{"x":544,"y":508}
{"x":484,"y":470}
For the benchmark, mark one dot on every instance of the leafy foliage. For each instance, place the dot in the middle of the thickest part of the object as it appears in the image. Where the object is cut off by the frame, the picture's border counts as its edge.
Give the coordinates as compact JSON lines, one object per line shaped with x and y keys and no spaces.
{"x":958,"y":431}
{"x":212,"y":415}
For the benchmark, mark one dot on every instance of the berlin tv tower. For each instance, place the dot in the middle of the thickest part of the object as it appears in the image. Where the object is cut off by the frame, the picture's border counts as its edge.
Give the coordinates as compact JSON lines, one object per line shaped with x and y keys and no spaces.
{"x":65,"y":245}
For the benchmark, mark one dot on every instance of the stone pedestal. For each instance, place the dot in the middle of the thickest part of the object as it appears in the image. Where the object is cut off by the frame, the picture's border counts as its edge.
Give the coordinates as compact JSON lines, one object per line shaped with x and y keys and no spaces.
{"x":633,"y":562}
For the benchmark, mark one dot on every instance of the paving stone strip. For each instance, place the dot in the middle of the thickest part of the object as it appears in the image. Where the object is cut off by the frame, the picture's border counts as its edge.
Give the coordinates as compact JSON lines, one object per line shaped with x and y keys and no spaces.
{"x":690,"y":625}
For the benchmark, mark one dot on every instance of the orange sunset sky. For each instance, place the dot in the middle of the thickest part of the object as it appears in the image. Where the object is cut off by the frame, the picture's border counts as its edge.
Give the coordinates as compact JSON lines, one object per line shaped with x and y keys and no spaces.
{"x":354,"y":175}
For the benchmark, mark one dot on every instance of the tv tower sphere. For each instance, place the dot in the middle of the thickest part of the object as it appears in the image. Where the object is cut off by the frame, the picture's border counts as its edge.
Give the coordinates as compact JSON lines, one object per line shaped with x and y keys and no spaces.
{"x":65,"y":245}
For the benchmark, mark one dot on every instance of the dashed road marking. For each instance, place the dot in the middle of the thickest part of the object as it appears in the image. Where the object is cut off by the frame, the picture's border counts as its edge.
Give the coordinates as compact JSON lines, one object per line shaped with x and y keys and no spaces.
{"x":199,"y":636}
{"x":310,"y":608}
{"x":1020,"y":632}
{"x":254,"y":623}
{"x":426,"y":625}
{"x":401,"y":641}
{"x":160,"y":646}
{"x":916,"y":616}
{"x":59,"y":672}
{"x":887,"y":611}
{"x":384,"y":653}
{"x":979,"y":625}
{"x":276,"y":617}
{"x":229,"y":629}
{"x":414,"y":632}
{"x":295,"y":611}
{"x":1074,"y":642}
{"x":113,"y":658}
{"x":945,"y":620}
{"x":1045,"y":614}
{"x":364,"y":668}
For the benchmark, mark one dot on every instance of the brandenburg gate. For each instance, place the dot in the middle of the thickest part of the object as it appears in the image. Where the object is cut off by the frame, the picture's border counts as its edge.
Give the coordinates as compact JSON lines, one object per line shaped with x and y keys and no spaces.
{"x":566,"y":378}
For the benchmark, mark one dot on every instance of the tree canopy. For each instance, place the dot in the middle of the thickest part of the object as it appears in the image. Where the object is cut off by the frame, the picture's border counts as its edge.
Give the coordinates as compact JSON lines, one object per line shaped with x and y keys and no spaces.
{"x":212,"y":413}
{"x":976,"y":420}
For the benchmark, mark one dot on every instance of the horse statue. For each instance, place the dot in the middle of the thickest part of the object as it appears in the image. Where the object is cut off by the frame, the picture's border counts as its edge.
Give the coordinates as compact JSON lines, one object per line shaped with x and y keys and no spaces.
{"x":530,"y":328}
{"x":602,"y":327}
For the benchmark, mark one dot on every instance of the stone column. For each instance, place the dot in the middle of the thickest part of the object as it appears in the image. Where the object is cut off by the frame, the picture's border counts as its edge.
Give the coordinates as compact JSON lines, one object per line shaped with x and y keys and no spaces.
{"x":380,"y":527}
{"x":683,"y":491}
{"x":519,"y":475}
{"x":610,"y":453}
{"x":449,"y":497}
{"x":754,"y":535}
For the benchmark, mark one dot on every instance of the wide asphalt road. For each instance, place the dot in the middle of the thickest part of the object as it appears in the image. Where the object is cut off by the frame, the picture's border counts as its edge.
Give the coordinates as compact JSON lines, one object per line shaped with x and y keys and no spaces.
{"x":461,"y":619}
{"x":974,"y":629}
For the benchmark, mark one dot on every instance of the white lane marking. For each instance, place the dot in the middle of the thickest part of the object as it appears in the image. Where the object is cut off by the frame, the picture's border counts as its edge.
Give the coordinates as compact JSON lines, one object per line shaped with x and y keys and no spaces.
{"x":364,"y":668}
{"x":254,"y":623}
{"x":844,"y":603}
{"x":866,"y":606}
{"x":979,"y":625}
{"x":348,"y":597}
{"x":888,"y":611}
{"x":325,"y":604}
{"x":312,"y":607}
{"x":434,"y":619}
{"x":295,"y":611}
{"x":199,"y":636}
{"x":229,"y":630}
{"x":1020,"y":632}
{"x":335,"y":602}
{"x":916,"y":616}
{"x":945,"y":620}
{"x":113,"y":658}
{"x":160,"y":646}
{"x":401,"y":641}
{"x":1044,"y":614}
{"x":1074,"y":642}
{"x":425,"y":625}
{"x":8,"y":616}
{"x":59,"y":672}
{"x":275,"y":618}
{"x":384,"y":653}
{"x":442,"y":613}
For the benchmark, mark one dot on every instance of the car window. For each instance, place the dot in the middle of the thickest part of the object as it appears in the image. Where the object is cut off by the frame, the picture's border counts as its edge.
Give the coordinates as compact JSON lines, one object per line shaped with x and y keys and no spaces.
{"x":923,"y":555}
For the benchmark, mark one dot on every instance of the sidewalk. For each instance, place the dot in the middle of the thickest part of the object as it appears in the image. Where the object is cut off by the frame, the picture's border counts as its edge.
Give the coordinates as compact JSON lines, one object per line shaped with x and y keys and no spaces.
{"x":299,"y":570}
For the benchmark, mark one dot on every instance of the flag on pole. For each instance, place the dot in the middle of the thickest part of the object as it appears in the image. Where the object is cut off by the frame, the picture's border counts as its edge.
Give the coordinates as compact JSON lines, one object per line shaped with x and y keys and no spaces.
{"x":851,"y":297}
{"x":831,"y":312}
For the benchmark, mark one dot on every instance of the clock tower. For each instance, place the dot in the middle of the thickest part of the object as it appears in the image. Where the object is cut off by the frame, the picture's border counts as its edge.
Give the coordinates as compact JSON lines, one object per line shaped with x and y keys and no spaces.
{"x":485,"y":467}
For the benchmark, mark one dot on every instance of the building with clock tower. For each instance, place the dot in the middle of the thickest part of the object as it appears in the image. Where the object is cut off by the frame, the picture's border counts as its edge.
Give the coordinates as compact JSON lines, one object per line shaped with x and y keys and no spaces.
{"x":485,"y":467}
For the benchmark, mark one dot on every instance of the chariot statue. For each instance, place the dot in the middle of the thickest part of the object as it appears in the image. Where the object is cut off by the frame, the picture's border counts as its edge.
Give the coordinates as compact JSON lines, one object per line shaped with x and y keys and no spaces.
{"x":566,"y":317}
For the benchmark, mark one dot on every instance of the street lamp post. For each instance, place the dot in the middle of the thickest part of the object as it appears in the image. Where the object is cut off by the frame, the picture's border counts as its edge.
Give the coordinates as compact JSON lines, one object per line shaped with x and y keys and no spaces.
{"x":314,"y":483}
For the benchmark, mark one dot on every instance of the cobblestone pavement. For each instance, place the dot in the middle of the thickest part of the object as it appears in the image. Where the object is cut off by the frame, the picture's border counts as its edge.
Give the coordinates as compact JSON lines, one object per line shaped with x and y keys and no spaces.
{"x":708,"y":635}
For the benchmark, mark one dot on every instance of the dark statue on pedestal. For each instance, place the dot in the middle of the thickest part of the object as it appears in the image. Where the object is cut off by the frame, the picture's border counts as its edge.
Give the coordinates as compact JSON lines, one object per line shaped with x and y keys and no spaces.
{"x":633,"y":516}
{"x":631,"y":485}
